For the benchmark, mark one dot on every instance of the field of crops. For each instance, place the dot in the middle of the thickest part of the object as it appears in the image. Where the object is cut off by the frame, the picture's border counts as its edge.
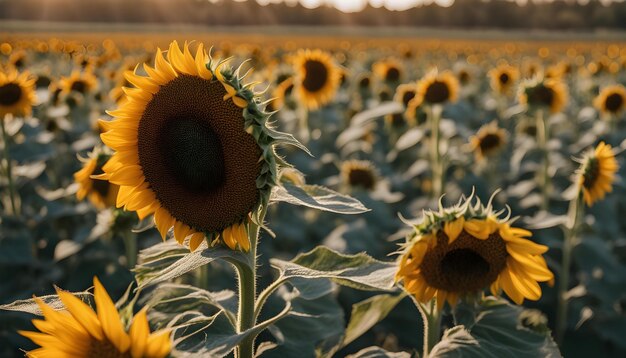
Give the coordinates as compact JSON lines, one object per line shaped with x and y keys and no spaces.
{"x":311,"y":196}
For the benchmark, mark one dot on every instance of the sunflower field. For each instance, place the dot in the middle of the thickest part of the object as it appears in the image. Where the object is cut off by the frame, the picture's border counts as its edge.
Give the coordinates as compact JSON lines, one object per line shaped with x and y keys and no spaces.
{"x":211,"y":195}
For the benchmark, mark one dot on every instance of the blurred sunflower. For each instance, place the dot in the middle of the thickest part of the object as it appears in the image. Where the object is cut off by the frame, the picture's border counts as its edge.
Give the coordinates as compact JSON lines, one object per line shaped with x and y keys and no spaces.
{"x":359,"y":174}
{"x":597,"y":173}
{"x":18,"y":59}
{"x":282,"y":92}
{"x":461,"y":250}
{"x":437,"y":88}
{"x":405,"y":93}
{"x":488,"y":140}
{"x":17,"y":93}
{"x":539,"y":93}
{"x":80,"y":332}
{"x":611,"y":100}
{"x":81,"y":82}
{"x":317,"y":77}
{"x":502,"y":78}
{"x":101,"y":193}
{"x":191,"y":147}
{"x":388,"y":70}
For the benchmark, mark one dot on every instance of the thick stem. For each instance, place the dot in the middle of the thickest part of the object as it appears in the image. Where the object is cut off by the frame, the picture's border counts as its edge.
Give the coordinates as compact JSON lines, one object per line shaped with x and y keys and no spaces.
{"x":543,"y":136}
{"x":432,"y":325}
{"x":5,"y":151}
{"x":434,"y":113}
{"x":130,"y":246}
{"x":246,"y":275}
{"x":574,"y":214}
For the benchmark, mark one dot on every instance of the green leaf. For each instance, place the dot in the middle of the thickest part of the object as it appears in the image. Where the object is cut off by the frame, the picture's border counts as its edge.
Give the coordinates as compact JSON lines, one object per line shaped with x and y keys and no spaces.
{"x":168,"y":260}
{"x":30,"y":306}
{"x":317,"y":197}
{"x":377,"y":352}
{"x":367,"y":313}
{"x":496,"y":332}
{"x":358,"y":271}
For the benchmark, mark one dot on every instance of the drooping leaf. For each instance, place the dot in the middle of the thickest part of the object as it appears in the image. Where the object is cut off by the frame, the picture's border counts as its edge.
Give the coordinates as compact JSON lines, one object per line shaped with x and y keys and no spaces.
{"x":30,"y":306}
{"x":317,"y":197}
{"x":377,"y":352}
{"x":168,"y":260}
{"x":495,"y":332}
{"x":367,"y":313}
{"x":358,"y":271}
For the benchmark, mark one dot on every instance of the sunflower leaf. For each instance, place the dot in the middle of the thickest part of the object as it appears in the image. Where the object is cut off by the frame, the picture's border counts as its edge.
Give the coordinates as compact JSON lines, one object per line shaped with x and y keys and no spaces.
{"x":367,"y":313}
{"x":169,"y":260}
{"x":30,"y":306}
{"x":358,"y":271}
{"x":497,"y":331}
{"x":377,"y":352}
{"x":317,"y":197}
{"x":286,"y":138}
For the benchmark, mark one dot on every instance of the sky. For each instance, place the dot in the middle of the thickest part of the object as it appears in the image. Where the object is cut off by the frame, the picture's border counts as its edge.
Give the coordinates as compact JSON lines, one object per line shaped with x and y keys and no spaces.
{"x":357,"y":5}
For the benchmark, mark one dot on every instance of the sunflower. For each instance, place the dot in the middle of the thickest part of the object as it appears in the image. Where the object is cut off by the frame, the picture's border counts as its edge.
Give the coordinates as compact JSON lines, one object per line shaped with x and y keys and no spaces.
{"x":437,"y":88}
{"x":414,"y":112}
{"x":611,"y":100}
{"x":317,"y":77}
{"x":359,"y":174}
{"x":502,"y":78}
{"x":191,"y":148}
{"x":281,"y":94}
{"x":388,"y":71}
{"x":81,"y":82}
{"x":101,"y":193}
{"x":405,"y":93}
{"x":17,"y":93}
{"x":541,"y":93}
{"x":78,"y":331}
{"x":597,"y":173}
{"x":18,"y":59}
{"x":461,"y":250}
{"x":489,"y":139}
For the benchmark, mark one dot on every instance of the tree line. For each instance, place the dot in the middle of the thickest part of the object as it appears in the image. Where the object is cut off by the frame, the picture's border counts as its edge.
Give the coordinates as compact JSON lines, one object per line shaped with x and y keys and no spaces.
{"x":480,"y":14}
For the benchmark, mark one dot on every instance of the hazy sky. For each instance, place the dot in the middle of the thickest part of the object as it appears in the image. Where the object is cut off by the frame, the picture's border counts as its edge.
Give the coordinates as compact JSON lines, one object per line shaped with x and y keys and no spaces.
{"x":357,"y":5}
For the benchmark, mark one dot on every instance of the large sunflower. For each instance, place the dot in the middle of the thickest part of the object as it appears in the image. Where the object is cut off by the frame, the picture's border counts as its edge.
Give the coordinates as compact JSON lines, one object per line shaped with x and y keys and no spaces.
{"x":81,"y":82}
{"x":317,"y":77}
{"x":17,"y":93}
{"x":541,"y":93}
{"x":437,"y":88}
{"x":488,"y":140}
{"x":191,"y":147}
{"x":101,"y":193}
{"x":597,"y":173}
{"x":611,"y":100}
{"x":462,"y":250}
{"x":80,"y":332}
{"x":502,"y":78}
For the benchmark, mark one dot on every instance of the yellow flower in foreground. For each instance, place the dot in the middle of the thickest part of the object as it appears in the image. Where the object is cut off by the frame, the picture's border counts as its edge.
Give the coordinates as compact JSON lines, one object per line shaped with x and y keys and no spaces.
{"x":597,"y":173}
{"x":462,"y":250}
{"x":80,"y":332}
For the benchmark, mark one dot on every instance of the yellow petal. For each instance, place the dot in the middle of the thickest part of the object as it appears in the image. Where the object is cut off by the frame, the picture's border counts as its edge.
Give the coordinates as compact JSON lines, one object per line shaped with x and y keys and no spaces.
{"x":110,"y":318}
{"x":82,"y":313}
{"x":139,"y":332}
{"x":196,"y":240}
{"x":453,"y":229}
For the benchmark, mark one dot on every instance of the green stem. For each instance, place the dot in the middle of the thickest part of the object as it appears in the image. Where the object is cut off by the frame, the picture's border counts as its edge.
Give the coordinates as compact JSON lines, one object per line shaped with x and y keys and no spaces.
{"x":434,"y":112}
{"x":543,"y":135}
{"x":130,"y":246}
{"x":574,"y":214}
{"x":432,"y":325}
{"x":246,"y":317}
{"x":303,"y":124}
{"x":5,"y":151}
{"x":202,"y":277}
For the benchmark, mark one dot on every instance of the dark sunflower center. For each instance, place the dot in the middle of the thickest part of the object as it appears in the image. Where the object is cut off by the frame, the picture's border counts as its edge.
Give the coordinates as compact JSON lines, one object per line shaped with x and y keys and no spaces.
{"x":384,"y":95}
{"x":288,"y":90}
{"x":42,"y":81}
{"x":316,"y":75}
{"x":407,"y":97}
{"x":105,"y":349}
{"x":364,"y":82}
{"x":614,"y":102}
{"x":591,"y":174}
{"x":361,"y":178}
{"x":437,"y":92}
{"x":540,"y":96}
{"x":464,"y":77}
{"x":397,"y":120}
{"x":392,"y":75}
{"x":504,"y":78}
{"x":489,"y":142}
{"x":79,"y":86}
{"x":466,"y":265}
{"x":194,"y":154}
{"x":10,"y":94}
{"x":100,"y":186}
{"x":282,"y":78}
